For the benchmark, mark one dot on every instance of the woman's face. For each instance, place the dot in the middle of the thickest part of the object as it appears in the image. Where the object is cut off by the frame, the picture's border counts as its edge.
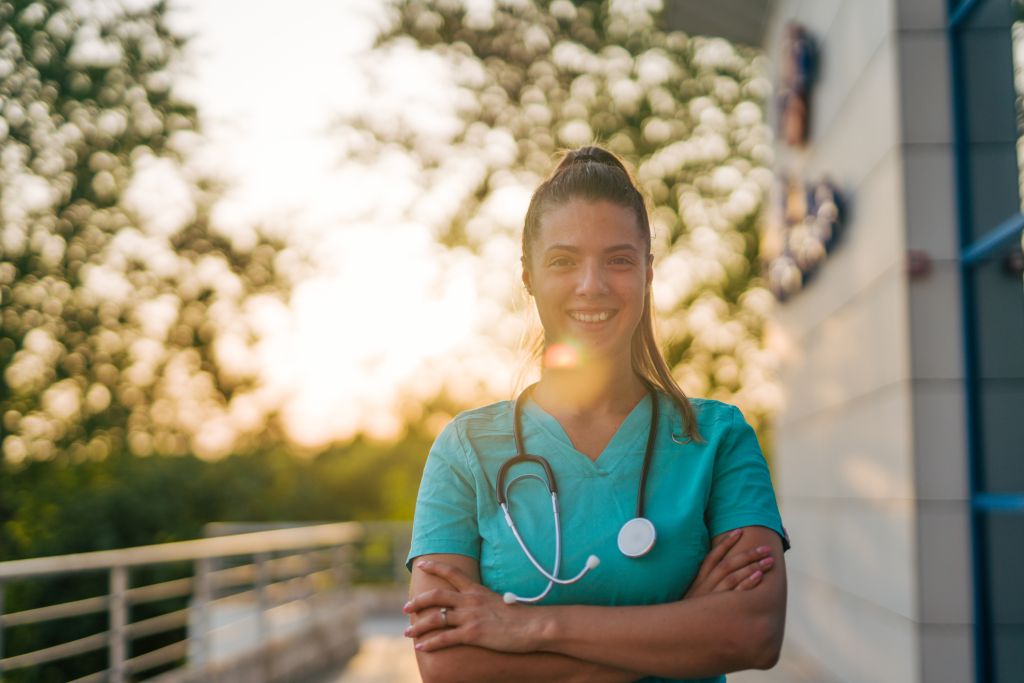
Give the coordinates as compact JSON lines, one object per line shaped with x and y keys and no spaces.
{"x":588,"y":272}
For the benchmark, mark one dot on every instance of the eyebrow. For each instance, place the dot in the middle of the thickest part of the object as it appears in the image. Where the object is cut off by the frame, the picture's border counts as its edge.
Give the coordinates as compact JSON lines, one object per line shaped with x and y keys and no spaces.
{"x":576,"y":250}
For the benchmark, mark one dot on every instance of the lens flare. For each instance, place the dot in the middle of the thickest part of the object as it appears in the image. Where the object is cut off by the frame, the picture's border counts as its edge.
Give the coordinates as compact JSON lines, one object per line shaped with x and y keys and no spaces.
{"x":561,"y":356}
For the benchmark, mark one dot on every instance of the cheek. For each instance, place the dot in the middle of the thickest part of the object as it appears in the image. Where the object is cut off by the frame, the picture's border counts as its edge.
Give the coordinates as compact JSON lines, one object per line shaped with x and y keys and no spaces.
{"x":634,"y":288}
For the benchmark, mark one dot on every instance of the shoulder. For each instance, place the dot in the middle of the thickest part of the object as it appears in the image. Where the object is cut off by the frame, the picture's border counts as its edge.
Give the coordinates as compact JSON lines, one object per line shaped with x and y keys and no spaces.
{"x":719,"y":424}
{"x":495,"y":417}
{"x":712,"y":415}
{"x":469,"y":426}
{"x":474,"y":436}
{"x":711,"y":412}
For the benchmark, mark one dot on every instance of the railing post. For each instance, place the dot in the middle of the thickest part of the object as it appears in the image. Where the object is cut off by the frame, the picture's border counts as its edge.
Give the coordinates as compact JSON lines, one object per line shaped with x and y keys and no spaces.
{"x":399,"y":550}
{"x":263,"y":580}
{"x":118,"y":622}
{"x":3,"y":589}
{"x":202,"y":597}
{"x":341,"y":566}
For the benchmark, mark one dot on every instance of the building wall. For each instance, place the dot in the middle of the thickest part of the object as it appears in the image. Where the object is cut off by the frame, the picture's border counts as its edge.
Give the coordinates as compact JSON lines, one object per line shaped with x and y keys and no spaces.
{"x":944,"y":583}
{"x":870,"y":451}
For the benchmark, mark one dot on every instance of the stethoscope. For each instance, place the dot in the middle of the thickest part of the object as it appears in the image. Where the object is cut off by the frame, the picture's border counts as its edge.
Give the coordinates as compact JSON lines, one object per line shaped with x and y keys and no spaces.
{"x":636,"y":537}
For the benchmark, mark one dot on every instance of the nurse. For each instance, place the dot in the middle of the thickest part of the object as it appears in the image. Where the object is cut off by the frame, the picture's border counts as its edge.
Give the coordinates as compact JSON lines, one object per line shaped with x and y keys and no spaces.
{"x":705,"y":594}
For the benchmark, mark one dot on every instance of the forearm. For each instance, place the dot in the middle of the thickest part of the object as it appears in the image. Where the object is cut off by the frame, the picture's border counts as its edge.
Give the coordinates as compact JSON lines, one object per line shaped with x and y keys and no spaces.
{"x":472,"y":664}
{"x":705,"y":636}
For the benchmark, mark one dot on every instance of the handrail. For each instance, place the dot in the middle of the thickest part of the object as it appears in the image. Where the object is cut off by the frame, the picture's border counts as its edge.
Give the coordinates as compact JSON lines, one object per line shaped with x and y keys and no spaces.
{"x":311,"y":565}
{"x":94,"y":642}
{"x":203,"y":548}
{"x":75,"y":608}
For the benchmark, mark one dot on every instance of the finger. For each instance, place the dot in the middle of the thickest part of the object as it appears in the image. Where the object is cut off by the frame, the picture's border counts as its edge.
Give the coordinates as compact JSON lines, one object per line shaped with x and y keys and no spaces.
{"x":730,"y":538}
{"x":717,"y":552}
{"x":435,"y":597}
{"x":737,"y":578}
{"x":440,"y":640}
{"x":452,"y":575}
{"x":736,"y":562}
{"x":432,"y":621}
{"x":751,"y":581}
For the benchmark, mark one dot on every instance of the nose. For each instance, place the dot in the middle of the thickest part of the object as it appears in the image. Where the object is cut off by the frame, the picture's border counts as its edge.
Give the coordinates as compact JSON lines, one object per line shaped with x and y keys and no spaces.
{"x":592,"y":280}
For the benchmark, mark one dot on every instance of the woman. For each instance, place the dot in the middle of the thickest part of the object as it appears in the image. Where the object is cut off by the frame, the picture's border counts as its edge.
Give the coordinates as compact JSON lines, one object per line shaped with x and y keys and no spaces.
{"x":698,"y":590}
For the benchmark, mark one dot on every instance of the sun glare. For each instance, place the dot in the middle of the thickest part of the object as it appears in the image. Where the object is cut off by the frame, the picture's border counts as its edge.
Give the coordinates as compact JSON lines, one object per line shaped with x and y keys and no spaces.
{"x":360,"y":334}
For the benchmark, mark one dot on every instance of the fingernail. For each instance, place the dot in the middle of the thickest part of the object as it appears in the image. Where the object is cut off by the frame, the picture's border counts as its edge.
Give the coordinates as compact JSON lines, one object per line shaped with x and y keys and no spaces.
{"x":418,"y":646}
{"x":756,"y":575}
{"x":406,"y":606}
{"x":406,"y":631}
{"x":764,"y":549}
{"x":423,"y":563}
{"x":735,"y":532}
{"x":767,"y":562}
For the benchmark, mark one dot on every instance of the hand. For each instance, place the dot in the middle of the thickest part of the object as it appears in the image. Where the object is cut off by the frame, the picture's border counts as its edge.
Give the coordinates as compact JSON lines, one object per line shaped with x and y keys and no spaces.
{"x":739,"y":571}
{"x":475,"y":615}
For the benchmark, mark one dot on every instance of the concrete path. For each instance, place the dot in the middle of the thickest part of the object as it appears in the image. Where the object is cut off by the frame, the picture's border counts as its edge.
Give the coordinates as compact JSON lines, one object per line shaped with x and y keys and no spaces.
{"x":387,"y":657}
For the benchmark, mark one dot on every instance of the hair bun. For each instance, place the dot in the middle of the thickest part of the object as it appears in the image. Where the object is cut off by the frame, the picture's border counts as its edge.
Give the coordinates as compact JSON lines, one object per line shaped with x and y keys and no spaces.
{"x":586,"y":154}
{"x":591,"y":153}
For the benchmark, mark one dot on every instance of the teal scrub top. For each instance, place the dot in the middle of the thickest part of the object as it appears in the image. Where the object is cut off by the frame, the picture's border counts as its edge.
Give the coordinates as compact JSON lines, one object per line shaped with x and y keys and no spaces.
{"x":695,"y":491}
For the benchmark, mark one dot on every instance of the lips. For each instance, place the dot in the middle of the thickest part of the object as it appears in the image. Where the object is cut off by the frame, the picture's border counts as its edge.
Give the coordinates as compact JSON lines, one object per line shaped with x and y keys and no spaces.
{"x":591,"y":316}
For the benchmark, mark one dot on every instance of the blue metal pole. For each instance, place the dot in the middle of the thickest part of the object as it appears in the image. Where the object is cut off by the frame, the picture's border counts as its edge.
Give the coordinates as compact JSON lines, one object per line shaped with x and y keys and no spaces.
{"x":957,"y":14}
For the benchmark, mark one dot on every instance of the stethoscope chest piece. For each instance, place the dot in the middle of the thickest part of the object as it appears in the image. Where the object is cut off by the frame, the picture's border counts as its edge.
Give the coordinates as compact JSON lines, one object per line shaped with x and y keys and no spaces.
{"x":636,"y":537}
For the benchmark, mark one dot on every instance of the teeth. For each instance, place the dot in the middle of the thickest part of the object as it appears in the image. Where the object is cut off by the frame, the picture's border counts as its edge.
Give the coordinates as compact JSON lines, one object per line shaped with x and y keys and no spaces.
{"x":590,"y":317}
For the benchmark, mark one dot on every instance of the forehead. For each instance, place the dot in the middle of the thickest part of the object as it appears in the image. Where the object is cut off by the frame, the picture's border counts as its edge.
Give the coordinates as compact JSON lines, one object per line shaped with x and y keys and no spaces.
{"x":585,"y":222}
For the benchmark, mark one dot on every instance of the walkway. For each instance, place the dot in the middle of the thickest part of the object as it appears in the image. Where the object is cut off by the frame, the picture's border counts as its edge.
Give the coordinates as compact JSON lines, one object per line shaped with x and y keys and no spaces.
{"x":385,"y":656}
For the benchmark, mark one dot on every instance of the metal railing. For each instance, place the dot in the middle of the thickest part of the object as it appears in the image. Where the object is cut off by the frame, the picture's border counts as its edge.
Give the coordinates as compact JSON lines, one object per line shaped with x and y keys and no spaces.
{"x":244,"y":584}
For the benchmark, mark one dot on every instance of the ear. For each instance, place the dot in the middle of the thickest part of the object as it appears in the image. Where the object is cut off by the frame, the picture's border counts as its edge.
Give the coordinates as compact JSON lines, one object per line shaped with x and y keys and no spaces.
{"x":650,"y":268}
{"x":526,"y":281}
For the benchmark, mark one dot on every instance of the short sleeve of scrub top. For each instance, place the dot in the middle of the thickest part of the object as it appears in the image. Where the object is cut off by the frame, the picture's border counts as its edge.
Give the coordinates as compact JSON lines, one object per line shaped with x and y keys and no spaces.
{"x":446,"y":513}
{"x":695,"y":491}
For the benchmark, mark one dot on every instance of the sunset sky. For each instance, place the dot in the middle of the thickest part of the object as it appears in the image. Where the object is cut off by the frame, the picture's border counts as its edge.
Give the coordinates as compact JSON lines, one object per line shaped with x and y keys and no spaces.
{"x":389,"y":314}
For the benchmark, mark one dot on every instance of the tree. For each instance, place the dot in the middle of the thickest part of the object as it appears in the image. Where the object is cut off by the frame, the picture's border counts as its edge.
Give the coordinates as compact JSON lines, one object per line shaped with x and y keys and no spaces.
{"x":530,"y":77}
{"x":123,"y":324}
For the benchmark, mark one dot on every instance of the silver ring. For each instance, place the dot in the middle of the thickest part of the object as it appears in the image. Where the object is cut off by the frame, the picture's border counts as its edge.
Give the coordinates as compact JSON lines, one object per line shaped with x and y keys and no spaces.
{"x":444,"y":616}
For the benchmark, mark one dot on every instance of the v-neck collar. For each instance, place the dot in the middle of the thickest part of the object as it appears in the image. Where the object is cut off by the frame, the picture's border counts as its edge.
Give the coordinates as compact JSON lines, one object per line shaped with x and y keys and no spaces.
{"x":628,"y":441}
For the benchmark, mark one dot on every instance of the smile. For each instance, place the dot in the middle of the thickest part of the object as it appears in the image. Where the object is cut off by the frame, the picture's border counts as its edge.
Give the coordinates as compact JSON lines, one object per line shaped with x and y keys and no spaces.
{"x":590,"y":316}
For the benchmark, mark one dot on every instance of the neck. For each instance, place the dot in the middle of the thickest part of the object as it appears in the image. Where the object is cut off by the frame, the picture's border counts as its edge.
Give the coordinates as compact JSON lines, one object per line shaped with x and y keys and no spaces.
{"x":598,"y":386}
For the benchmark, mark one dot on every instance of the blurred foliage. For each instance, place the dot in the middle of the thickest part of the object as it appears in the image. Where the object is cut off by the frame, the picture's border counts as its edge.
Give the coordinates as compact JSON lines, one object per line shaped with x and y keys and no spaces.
{"x":124,"y":500}
{"x":121,"y":305}
{"x":124,"y":328}
{"x":48,"y":508}
{"x":534,"y":76}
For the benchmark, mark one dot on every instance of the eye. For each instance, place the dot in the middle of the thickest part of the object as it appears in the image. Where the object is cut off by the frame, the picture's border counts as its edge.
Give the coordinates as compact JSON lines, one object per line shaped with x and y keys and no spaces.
{"x":621,"y":261}
{"x":560,"y":262}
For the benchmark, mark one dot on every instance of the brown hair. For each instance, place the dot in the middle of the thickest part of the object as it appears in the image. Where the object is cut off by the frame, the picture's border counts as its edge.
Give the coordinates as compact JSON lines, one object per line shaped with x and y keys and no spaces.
{"x":595,"y":173}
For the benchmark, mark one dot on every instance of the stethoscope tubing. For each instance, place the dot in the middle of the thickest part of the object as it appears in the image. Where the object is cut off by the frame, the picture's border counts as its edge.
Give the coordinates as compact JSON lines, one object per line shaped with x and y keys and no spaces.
{"x":521,"y":456}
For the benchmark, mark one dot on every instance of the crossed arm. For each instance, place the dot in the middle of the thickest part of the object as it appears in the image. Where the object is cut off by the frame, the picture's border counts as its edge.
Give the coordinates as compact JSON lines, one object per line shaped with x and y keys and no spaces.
{"x":731,"y":618}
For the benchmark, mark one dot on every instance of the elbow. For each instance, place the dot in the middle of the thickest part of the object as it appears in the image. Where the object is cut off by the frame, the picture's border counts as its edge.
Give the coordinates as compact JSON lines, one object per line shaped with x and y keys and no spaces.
{"x":440,"y":666}
{"x":767,"y":658}
{"x":433,"y":667}
{"x":766,"y":644}
{"x":758,"y":646}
